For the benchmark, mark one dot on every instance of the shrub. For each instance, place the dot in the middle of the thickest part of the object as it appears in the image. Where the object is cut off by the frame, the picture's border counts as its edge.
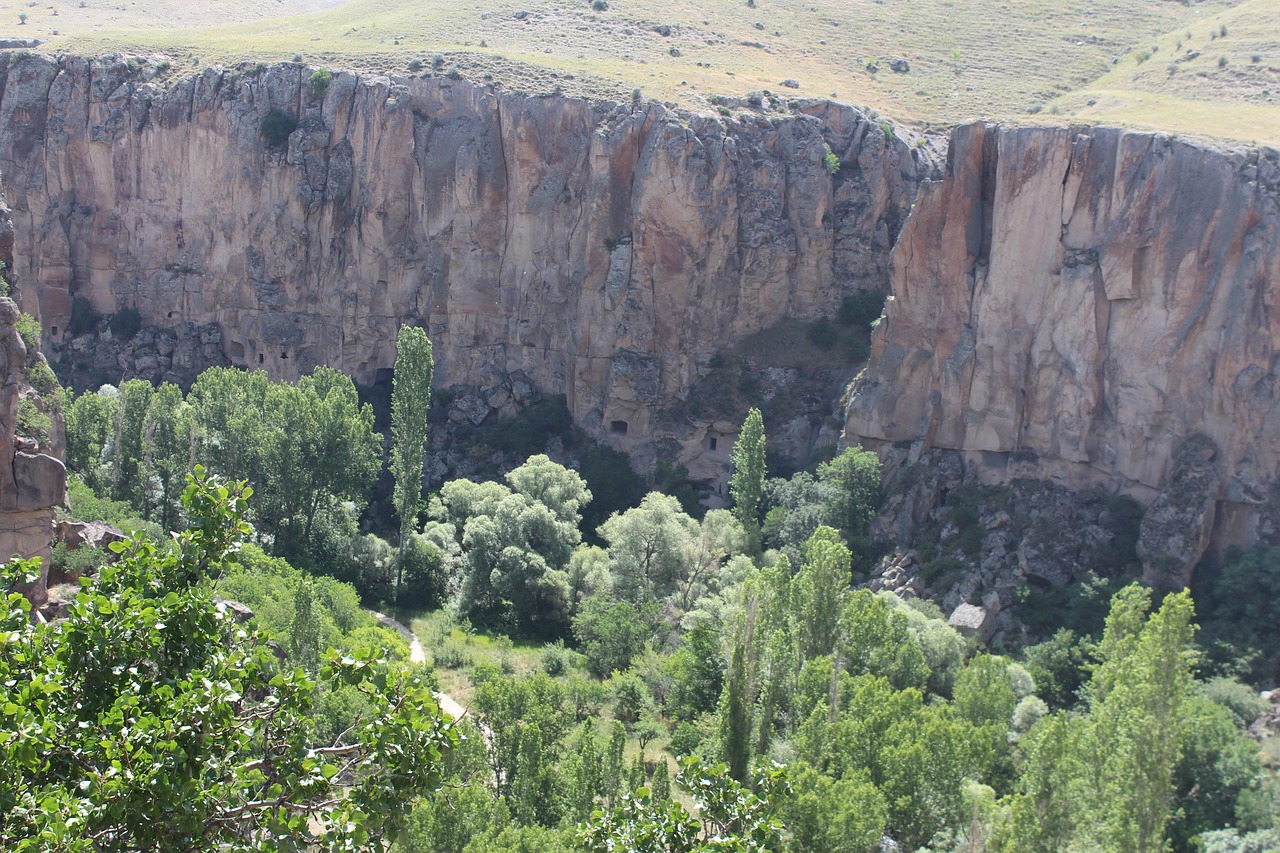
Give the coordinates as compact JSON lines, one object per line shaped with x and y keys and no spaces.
{"x":29,"y":331}
{"x":831,"y":161}
{"x":1222,"y":62}
{"x":320,"y":81}
{"x":451,"y":654}
{"x":600,"y":5}
{"x":556,"y":659}
{"x":276,"y":127}
{"x":1241,"y":700}
{"x":685,"y":739}
{"x":861,"y":308}
{"x":1257,"y":57}
{"x":33,"y":422}
{"x":1143,"y":56}
{"x":42,"y":379}
{"x":125,"y":323}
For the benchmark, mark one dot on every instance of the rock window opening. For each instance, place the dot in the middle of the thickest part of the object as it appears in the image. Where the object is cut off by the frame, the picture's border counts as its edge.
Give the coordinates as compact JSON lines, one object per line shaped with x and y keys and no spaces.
{"x":618,"y":427}
{"x":712,"y":445}
{"x":284,"y":355}
{"x":53,"y":331}
{"x":260,"y":359}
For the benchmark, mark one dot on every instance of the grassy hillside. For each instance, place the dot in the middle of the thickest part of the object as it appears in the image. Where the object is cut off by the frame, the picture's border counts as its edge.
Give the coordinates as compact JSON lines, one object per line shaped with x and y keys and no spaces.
{"x":1066,"y":59}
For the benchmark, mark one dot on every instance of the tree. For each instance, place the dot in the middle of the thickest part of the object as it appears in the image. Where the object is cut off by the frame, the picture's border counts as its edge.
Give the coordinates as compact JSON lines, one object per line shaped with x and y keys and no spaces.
{"x":230,"y":411}
{"x":746,"y":486}
{"x":150,"y":719}
{"x":732,"y":818}
{"x":90,"y":421}
{"x":320,"y":447}
{"x":127,"y":473}
{"x":649,"y":548}
{"x":610,"y":632}
{"x":167,"y":431}
{"x":410,"y":403}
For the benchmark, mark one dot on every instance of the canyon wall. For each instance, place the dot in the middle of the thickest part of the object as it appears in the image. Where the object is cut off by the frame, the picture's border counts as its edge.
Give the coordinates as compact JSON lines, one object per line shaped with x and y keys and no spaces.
{"x":33,"y":478}
{"x":603,"y":251}
{"x":1092,"y":307}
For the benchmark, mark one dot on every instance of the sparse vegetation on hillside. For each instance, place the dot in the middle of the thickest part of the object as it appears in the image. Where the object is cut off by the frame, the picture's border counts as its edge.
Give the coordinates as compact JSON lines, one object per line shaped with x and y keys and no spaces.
{"x":936,"y":63}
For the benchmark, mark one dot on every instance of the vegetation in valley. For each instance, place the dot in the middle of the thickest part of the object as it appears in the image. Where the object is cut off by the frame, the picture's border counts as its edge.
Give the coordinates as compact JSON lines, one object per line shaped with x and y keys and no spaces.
{"x":645,"y":680}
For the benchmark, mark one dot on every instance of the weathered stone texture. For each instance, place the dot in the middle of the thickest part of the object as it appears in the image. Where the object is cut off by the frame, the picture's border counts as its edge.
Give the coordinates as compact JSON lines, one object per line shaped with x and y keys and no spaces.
{"x":1074,"y":303}
{"x":607,"y":251}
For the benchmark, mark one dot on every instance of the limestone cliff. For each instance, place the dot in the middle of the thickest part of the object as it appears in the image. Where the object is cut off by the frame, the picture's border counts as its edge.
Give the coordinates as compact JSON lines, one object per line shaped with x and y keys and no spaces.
{"x":33,"y":479}
{"x":605,"y":251}
{"x":1075,"y":304}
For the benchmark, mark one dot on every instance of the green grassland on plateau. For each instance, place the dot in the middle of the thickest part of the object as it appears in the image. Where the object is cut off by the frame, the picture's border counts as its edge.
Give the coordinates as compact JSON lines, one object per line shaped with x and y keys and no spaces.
{"x":1207,"y":68}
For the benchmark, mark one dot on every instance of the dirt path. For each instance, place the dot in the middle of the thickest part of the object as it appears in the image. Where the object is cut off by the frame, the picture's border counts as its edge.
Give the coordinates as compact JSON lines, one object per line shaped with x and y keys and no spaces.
{"x":419,"y":655}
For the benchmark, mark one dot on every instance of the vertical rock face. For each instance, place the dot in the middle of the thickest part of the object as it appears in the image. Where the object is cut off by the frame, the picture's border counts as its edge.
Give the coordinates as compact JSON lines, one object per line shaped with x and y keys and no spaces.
{"x":1075,"y":304}
{"x":605,"y":251}
{"x":33,"y":479}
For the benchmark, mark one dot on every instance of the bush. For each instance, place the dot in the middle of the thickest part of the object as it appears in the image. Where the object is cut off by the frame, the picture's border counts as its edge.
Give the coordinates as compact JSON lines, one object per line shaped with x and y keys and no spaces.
{"x":556,"y":659}
{"x":320,"y":82}
{"x":276,"y":127}
{"x":451,"y":654}
{"x":32,"y":422}
{"x":125,"y":323}
{"x":46,"y":384}
{"x":29,"y":330}
{"x":1241,"y":700}
{"x":861,"y":309}
{"x":685,"y":739}
{"x":831,"y":162}
{"x":600,"y":5}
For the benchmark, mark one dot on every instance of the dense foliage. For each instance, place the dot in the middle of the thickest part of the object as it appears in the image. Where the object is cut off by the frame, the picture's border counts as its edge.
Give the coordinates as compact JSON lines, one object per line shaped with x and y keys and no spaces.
{"x":652,"y":679}
{"x":151,"y":719}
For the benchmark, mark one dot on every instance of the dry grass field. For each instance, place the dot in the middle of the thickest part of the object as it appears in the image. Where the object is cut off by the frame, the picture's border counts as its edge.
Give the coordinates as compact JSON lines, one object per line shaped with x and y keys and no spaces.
{"x":1207,"y":68}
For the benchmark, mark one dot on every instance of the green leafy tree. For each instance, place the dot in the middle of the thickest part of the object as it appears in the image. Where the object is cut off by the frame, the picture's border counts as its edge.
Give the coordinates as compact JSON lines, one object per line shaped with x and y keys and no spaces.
{"x":320,"y":448}
{"x":611,"y":633}
{"x":149,"y":719}
{"x":128,"y":473}
{"x":90,"y":422}
{"x":819,"y":591}
{"x":649,"y":548}
{"x":410,"y":403}
{"x":230,"y":412}
{"x":168,"y":448}
{"x":746,"y":486}
{"x":732,"y":818}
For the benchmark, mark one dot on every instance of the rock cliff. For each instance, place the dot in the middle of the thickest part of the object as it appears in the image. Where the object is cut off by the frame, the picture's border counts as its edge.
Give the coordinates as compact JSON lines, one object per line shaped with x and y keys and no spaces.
{"x":1092,"y":307}
{"x":33,"y":479}
{"x":605,"y":251}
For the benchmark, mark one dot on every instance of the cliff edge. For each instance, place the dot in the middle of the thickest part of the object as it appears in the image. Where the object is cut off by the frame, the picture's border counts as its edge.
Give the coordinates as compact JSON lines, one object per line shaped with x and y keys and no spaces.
{"x":1092,"y":307}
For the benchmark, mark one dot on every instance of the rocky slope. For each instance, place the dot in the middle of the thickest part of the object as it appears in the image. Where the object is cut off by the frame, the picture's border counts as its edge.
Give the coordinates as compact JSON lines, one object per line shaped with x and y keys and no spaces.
{"x":604,"y":251}
{"x":1092,"y":307}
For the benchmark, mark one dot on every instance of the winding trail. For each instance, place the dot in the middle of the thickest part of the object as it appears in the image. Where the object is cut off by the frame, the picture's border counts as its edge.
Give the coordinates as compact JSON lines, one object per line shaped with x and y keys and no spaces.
{"x":419,"y":655}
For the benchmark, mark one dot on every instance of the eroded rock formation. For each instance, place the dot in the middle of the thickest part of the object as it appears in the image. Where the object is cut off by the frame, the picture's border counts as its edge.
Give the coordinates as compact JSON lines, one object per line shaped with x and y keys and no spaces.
{"x":1075,"y":304}
{"x":606,"y":251}
{"x":33,"y":479}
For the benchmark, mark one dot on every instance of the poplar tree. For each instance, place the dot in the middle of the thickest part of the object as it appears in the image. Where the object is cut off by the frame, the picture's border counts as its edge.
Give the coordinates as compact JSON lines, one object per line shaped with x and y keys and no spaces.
{"x":746,"y":487}
{"x":410,"y":402}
